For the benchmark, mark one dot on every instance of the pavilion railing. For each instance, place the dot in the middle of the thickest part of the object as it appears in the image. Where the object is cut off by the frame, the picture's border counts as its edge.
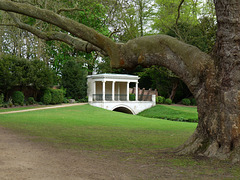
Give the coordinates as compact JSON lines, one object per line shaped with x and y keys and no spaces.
{"x":121,"y":97}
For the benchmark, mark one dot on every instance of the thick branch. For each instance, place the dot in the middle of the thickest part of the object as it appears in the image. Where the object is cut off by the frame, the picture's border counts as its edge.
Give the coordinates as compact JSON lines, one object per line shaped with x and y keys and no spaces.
{"x":75,"y":42}
{"x":186,"y":61}
{"x":75,"y":28}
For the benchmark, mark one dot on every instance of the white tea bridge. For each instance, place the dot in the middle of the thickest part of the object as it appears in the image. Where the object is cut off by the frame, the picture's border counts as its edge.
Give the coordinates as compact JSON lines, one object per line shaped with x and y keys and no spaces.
{"x":111,"y":92}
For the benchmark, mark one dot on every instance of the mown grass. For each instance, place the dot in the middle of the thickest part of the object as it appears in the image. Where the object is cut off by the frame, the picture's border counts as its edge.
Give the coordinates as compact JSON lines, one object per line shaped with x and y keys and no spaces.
{"x":176,"y":113}
{"x":87,"y":127}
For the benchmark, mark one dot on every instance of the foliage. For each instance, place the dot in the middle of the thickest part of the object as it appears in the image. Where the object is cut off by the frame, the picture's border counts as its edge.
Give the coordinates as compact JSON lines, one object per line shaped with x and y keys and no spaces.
{"x":74,"y":79}
{"x":16,"y":71}
{"x":47,"y":97}
{"x":31,"y":100}
{"x":186,"y":101}
{"x":1,"y":99}
{"x":168,"y":101}
{"x":18,"y":97}
{"x":160,"y":100}
{"x":57,"y":96}
{"x":132,"y":97}
{"x":83,"y":100}
{"x":174,"y":113}
{"x":163,"y":80}
{"x":41,"y":75}
{"x":10,"y":102}
{"x":193,"y":102}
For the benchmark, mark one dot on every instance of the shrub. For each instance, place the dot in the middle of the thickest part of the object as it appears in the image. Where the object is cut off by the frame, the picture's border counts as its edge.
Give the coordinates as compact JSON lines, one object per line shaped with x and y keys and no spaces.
{"x":132,"y":97}
{"x":160,"y":100}
{"x":186,"y":101}
{"x":193,"y":102}
{"x":31,"y":100}
{"x":10,"y":103}
{"x":47,"y":97}
{"x":1,"y":100}
{"x":40,"y":103}
{"x":18,"y":97}
{"x":57,"y":96}
{"x":168,"y":101}
{"x":83,"y":100}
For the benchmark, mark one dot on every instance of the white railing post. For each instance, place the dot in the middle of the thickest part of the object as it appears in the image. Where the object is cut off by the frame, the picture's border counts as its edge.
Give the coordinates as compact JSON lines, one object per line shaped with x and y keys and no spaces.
{"x":128,"y":91}
{"x":94,"y":91}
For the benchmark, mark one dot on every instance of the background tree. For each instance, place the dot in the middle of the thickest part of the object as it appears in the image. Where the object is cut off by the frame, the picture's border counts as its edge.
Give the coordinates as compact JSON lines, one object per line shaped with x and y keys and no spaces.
{"x":22,"y":73}
{"x":74,"y":79}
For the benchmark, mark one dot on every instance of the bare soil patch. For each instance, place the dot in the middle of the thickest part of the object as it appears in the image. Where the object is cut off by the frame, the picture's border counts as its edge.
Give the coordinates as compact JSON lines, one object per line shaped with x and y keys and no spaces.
{"x":21,"y":158}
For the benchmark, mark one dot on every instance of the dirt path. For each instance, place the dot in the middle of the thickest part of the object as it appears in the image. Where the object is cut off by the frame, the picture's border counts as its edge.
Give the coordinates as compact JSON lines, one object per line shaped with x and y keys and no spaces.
{"x":22,"y":159}
{"x":49,"y":107}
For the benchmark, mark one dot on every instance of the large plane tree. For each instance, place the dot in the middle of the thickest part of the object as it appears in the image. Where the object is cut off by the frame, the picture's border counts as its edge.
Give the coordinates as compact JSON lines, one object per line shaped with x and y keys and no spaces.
{"x":213,"y":79}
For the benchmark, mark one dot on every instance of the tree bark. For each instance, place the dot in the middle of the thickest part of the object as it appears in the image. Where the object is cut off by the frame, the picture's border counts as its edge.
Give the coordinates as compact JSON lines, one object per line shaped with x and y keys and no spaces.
{"x":217,"y":134}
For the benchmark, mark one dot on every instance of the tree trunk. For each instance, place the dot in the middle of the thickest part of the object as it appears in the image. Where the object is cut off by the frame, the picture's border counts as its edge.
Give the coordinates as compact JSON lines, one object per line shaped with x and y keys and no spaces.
{"x":217,"y":134}
{"x":174,"y":90}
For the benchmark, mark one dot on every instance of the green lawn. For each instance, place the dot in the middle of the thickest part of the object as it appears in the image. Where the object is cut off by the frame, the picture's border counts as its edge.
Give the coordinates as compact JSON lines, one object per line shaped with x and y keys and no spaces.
{"x":179,"y":113}
{"x":91,"y":128}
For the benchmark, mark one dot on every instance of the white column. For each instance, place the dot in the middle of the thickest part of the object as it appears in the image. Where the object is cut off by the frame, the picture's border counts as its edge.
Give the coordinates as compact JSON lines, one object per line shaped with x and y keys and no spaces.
{"x":128,"y":91}
{"x":136,"y":97}
{"x":118,"y":91}
{"x":113,"y":90}
{"x":103,"y":90}
{"x":94,"y":91}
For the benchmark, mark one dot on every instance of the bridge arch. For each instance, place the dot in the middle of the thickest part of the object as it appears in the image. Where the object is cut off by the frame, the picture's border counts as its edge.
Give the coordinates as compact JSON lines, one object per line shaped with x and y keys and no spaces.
{"x":124,"y":109}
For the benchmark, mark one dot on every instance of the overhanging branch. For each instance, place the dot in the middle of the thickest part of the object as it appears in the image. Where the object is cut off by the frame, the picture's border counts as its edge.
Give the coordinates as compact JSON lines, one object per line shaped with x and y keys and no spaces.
{"x":75,"y":42}
{"x":79,"y":30}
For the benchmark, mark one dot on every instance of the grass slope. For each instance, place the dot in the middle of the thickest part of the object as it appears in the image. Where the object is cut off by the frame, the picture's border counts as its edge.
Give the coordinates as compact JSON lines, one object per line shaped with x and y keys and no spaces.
{"x":178,"y":113}
{"x":87,"y":127}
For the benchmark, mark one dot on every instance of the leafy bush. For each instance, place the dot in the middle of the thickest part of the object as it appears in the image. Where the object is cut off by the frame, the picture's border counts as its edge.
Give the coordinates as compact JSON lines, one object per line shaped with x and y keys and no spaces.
{"x":5,"y":105}
{"x":18,"y":97}
{"x":160,"y":100}
{"x":21,"y":72}
{"x":10,"y":103}
{"x":83,"y":100}
{"x":40,"y":103}
{"x":65,"y":100}
{"x":1,"y":100}
{"x":132,"y":97}
{"x":57,"y":96}
{"x":168,"y":101}
{"x":47,"y":97}
{"x":31,"y":100}
{"x":193,"y":102}
{"x":186,"y":101}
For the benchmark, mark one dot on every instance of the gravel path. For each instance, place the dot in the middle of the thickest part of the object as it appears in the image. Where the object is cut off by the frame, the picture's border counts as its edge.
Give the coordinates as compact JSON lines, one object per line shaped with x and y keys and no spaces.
{"x":49,"y":107}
